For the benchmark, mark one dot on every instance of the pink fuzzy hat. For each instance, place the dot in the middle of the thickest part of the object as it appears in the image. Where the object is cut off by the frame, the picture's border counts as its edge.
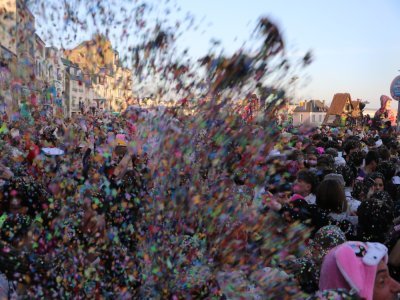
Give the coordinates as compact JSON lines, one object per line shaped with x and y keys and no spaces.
{"x":352,"y":266}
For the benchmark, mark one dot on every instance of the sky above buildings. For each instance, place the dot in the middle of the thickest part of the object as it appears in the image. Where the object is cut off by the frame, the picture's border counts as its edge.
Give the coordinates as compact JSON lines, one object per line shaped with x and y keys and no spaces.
{"x":355,"y":43}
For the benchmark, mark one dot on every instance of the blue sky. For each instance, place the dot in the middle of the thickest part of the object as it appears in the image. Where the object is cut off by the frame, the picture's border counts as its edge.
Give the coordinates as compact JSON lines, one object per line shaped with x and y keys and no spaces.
{"x":356,"y":43}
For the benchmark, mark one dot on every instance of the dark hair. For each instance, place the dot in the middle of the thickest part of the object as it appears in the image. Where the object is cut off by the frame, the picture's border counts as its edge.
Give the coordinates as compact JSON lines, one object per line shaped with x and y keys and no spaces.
{"x":376,"y":175}
{"x":392,"y":144}
{"x":308,"y":177}
{"x":383,"y":196}
{"x":387,"y":169}
{"x":374,"y":219}
{"x":370,"y":142}
{"x":371,"y":156}
{"x":348,"y":174}
{"x":295,"y":155}
{"x":384,"y":153}
{"x":332,"y":144}
{"x":351,"y":144}
{"x":311,"y":150}
{"x":360,"y":189}
{"x":326,"y":161}
{"x":332,"y":151}
{"x":356,"y":158}
{"x":316,"y":137}
{"x":330,"y":196}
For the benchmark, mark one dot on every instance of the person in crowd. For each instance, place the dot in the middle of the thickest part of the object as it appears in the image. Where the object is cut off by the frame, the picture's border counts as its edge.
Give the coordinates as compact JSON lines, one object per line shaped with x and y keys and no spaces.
{"x":350,"y":146}
{"x":375,"y":217}
{"x":384,"y":153}
{"x":379,"y":182}
{"x":305,"y":185}
{"x":349,"y":179}
{"x":371,"y":163}
{"x":356,"y":160}
{"x":388,"y":170}
{"x":331,"y":206}
{"x":361,"y":269}
{"x":307,"y":269}
{"x":393,"y":243}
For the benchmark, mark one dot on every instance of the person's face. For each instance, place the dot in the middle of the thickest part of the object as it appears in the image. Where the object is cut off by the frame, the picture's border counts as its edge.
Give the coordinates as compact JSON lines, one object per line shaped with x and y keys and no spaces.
{"x":302,"y":188}
{"x":299,"y":145}
{"x":282,"y":197}
{"x":373,"y":165}
{"x":120,"y":151}
{"x":312,"y":160}
{"x":387,"y":104}
{"x":378,"y":185}
{"x":385,"y":287}
{"x":353,"y":150}
{"x":312,"y":157}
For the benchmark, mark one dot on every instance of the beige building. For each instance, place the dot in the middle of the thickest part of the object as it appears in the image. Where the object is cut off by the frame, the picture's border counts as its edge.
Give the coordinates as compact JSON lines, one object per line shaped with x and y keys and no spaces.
{"x":78,"y":90}
{"x":8,"y":28}
{"x":17,"y":41}
{"x":38,"y":91}
{"x":112,"y":83}
{"x":55,"y":78}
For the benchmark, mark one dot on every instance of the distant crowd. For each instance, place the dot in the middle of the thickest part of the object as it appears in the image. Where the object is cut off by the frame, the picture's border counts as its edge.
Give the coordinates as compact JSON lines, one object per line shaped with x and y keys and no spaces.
{"x":161,"y":206}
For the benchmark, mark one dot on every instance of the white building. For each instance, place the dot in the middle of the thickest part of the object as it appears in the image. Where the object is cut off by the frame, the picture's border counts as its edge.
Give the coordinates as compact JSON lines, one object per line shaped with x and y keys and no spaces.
{"x":55,"y":77}
{"x":310,"y":113}
{"x":74,"y":91}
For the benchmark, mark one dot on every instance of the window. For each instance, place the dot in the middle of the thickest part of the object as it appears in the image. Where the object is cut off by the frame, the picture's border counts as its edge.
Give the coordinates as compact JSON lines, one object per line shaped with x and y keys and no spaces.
{"x":74,"y":101}
{"x":320,"y":118}
{"x":31,"y":48}
{"x":313,"y":118}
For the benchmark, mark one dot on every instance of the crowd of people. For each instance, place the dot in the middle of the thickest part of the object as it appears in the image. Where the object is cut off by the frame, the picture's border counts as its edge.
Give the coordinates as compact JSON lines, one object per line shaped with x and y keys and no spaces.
{"x":167,"y":206}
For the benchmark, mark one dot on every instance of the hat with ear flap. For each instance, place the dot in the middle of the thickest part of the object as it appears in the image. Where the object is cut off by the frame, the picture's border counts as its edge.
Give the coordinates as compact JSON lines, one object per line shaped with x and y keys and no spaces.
{"x":352,"y":266}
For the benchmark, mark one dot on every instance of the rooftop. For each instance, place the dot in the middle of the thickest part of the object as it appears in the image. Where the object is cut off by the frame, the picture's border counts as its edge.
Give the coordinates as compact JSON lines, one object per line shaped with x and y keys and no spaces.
{"x":312,"y":106}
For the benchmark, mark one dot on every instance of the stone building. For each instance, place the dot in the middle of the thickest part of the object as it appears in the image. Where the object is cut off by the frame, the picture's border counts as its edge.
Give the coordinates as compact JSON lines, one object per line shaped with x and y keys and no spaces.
{"x":112,"y":82}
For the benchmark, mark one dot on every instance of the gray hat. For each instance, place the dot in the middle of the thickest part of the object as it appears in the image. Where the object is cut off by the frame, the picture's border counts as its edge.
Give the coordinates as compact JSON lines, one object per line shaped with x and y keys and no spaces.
{"x":335,"y":176}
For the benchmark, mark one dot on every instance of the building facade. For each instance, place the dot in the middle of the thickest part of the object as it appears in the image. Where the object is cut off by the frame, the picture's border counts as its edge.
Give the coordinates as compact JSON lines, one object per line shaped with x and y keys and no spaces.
{"x":310,"y":113}
{"x":55,"y":78}
{"x":88,"y":77}
{"x":112,"y":83}
{"x":17,"y":55}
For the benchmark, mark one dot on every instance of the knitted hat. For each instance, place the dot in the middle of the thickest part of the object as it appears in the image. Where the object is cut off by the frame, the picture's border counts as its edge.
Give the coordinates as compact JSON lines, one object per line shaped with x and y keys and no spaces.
{"x":352,"y":266}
